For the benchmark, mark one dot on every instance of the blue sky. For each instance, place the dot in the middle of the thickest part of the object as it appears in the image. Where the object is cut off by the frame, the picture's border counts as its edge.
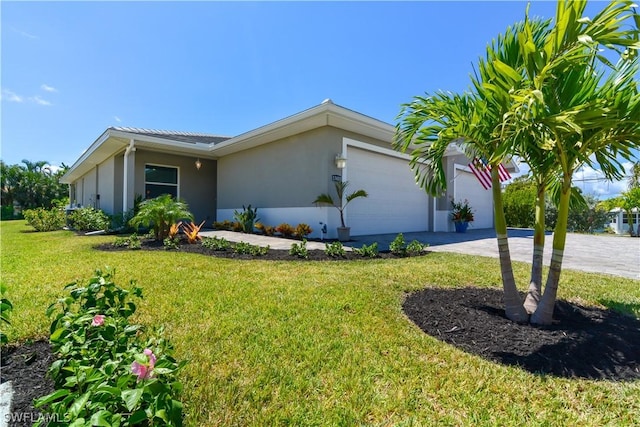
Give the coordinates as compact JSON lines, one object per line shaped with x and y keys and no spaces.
{"x":72,"y":69}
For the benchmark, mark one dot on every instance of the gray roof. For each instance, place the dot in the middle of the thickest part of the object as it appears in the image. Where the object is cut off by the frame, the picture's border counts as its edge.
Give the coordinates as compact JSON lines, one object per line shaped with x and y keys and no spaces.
{"x":189,"y":137}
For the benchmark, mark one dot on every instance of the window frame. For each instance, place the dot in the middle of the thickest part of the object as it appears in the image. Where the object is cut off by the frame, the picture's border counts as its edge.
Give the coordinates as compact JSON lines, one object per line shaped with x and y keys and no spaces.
{"x":176,"y":185}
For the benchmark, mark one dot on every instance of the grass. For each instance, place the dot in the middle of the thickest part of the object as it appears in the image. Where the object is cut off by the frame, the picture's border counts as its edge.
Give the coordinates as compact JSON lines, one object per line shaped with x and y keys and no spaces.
{"x":313,"y":343}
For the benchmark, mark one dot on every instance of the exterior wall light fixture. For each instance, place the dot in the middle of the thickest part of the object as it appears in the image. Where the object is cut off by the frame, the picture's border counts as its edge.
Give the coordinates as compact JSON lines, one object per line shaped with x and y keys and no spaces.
{"x":341,"y":161}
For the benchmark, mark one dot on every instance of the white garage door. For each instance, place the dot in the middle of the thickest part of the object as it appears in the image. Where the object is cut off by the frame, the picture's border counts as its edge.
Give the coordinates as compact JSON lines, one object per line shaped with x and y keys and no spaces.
{"x":395,"y":203}
{"x":481,"y":200}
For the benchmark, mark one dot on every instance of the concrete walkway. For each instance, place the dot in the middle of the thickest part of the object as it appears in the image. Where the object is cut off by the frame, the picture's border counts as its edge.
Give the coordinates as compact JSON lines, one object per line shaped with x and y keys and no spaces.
{"x":615,"y":255}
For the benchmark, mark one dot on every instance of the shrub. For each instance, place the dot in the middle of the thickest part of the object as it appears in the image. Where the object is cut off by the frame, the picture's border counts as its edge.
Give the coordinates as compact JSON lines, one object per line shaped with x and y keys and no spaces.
{"x":303,"y":230}
{"x":160,"y":213}
{"x":249,"y":249}
{"x":223,"y":225}
{"x":299,"y":249}
{"x":416,"y":248}
{"x":105,"y":372}
{"x":192,"y":232}
{"x":89,"y":219}
{"x":285,"y":229}
{"x":335,"y":250}
{"x":237,"y":227}
{"x":171,"y":243}
{"x":370,"y":251}
{"x":267,"y":230}
{"x":246,"y":218}
{"x":5,"y":309}
{"x":216,"y":243}
{"x":132,"y":242}
{"x":45,"y":220}
{"x":398,"y":246}
{"x":6,"y":212}
{"x":174,"y":230}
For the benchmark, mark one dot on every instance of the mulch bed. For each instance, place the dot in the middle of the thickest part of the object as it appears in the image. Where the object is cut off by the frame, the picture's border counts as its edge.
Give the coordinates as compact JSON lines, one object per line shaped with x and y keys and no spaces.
{"x":26,"y":366}
{"x":272,"y":255}
{"x":583,"y":342}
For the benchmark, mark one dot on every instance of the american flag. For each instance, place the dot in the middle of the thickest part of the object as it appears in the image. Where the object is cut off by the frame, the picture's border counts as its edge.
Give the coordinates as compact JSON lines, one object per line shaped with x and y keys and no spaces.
{"x":482,"y":171}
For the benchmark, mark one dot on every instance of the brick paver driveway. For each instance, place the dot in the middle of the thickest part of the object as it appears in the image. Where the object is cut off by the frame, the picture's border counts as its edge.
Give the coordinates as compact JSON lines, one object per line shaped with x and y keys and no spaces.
{"x":615,"y":255}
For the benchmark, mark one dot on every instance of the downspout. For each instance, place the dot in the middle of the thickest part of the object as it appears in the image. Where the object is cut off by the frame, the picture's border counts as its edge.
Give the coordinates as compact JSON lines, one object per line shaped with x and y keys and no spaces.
{"x":125,"y":183}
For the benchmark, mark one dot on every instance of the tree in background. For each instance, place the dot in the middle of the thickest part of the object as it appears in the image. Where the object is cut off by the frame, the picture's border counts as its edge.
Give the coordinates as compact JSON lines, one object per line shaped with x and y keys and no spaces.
{"x":519,"y":201}
{"x":31,"y":185}
{"x":634,"y":178}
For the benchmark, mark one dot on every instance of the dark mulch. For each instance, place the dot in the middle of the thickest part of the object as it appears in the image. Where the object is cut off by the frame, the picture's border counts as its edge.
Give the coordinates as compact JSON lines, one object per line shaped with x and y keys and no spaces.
{"x":583,"y":342}
{"x":26,"y":366}
{"x":272,"y":255}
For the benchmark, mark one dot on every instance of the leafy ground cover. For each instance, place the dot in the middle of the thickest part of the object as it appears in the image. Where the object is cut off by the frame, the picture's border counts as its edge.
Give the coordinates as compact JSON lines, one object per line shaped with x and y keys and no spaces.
{"x":259,"y":334}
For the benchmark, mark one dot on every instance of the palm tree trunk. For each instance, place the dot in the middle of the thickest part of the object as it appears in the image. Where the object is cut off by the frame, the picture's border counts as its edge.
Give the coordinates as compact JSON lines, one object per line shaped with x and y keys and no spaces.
{"x":514,"y":310}
{"x":544,"y":313}
{"x":535,"y":284}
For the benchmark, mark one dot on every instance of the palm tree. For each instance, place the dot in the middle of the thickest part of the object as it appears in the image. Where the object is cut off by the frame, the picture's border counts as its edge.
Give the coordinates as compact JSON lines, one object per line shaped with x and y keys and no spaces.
{"x":475,"y":121}
{"x":341,"y":186}
{"x":583,"y":115}
{"x":540,"y":96}
{"x":160,"y":214}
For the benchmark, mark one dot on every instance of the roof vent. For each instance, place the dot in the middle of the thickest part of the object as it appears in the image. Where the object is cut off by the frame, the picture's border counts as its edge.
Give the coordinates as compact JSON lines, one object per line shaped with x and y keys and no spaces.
{"x":327,"y":101}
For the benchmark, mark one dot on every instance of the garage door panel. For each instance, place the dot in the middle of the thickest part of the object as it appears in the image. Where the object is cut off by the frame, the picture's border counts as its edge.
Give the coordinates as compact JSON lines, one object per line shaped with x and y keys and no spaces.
{"x":480,"y":200}
{"x":395,"y":202}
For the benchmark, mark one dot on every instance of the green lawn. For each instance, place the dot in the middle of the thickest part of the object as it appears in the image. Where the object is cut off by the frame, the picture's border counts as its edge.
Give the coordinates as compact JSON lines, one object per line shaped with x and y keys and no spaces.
{"x":310,"y":343}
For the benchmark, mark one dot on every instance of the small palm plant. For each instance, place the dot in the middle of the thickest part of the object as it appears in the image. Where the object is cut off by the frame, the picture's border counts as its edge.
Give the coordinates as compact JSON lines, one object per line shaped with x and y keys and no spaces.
{"x":160,"y":214}
{"x":341,"y":186}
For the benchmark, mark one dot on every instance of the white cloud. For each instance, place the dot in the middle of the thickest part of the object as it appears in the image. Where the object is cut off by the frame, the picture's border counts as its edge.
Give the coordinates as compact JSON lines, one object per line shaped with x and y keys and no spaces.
{"x":40,"y":101}
{"x":48,"y":88}
{"x":117,"y":119}
{"x":24,"y":33}
{"x":11,"y":96}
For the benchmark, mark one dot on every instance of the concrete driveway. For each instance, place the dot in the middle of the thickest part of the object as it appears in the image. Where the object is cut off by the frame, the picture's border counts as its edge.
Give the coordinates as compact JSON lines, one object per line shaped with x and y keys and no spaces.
{"x":614,"y":255}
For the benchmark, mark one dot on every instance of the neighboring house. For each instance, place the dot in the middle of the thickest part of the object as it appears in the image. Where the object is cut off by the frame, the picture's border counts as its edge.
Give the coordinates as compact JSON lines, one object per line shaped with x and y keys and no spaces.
{"x":279,"y":168}
{"x":620,"y":220}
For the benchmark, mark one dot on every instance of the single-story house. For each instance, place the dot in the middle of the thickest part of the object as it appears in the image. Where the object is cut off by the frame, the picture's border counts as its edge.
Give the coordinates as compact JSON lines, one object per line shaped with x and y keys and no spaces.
{"x":620,"y":220}
{"x":279,"y":168}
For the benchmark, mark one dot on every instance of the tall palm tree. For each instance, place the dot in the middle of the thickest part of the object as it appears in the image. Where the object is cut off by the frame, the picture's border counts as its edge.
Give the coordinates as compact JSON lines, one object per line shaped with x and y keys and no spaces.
{"x":539,"y":95}
{"x":582,"y":112}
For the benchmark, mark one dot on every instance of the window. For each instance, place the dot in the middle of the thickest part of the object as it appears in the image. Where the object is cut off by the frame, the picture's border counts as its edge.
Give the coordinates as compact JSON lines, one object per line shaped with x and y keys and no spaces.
{"x":159,"y":180}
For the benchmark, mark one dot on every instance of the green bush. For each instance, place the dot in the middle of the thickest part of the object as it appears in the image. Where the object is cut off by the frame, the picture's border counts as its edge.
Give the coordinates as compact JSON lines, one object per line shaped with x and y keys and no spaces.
{"x":299,"y":249}
{"x":89,"y":219}
{"x":106,"y":372}
{"x":335,"y":250}
{"x":216,"y":243}
{"x":370,"y":251}
{"x":249,"y":249}
{"x":6,"y":212}
{"x":416,"y":248}
{"x":398,"y":246}
{"x":5,"y":309}
{"x":131,"y":242}
{"x":45,"y":219}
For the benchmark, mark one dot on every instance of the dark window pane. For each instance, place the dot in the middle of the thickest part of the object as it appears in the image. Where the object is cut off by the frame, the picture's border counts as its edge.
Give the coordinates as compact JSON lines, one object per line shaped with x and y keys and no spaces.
{"x":160,"y":174}
{"x":154,"y":190}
